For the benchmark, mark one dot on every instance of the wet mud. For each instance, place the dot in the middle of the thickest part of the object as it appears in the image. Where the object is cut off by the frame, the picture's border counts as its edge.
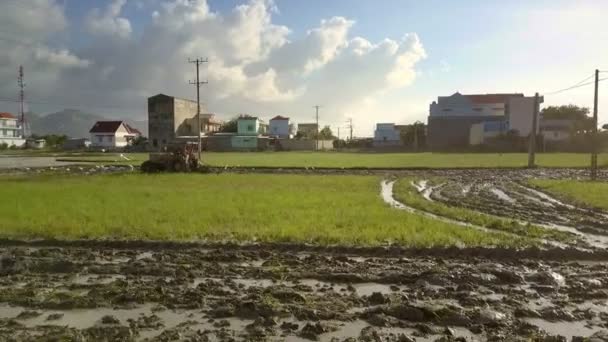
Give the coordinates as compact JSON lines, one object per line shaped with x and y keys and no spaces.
{"x":231,"y":293}
{"x":507,"y":194}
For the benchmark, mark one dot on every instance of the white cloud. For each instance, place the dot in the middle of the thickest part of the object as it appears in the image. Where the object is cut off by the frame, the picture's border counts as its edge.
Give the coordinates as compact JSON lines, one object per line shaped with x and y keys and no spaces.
{"x":109,"y":22}
{"x":255,"y":65}
{"x":25,"y":28}
{"x":61,"y":58}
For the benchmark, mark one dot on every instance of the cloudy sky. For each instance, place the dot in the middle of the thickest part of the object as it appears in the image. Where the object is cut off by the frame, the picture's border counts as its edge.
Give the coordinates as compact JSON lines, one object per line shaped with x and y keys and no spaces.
{"x":374,"y":61}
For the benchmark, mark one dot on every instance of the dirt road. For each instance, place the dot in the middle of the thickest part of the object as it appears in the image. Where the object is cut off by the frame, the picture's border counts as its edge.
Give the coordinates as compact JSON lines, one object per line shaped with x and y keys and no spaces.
{"x":265,"y":293}
{"x":16,"y":162}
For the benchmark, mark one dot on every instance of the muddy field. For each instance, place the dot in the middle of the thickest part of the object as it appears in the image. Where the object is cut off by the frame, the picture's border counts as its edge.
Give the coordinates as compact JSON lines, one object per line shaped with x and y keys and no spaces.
{"x":225,"y":294}
{"x":122,"y":291}
{"x":507,"y":194}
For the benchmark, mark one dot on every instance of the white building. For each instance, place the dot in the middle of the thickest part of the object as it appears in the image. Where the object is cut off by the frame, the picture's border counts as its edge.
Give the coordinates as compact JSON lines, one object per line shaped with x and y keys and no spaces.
{"x":556,"y":129}
{"x":279,"y":127}
{"x":112,"y":134}
{"x":10,"y":131}
{"x":387,"y":134}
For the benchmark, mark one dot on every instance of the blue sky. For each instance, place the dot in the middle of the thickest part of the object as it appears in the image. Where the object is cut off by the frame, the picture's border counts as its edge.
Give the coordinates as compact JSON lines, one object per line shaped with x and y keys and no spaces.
{"x":467,"y":46}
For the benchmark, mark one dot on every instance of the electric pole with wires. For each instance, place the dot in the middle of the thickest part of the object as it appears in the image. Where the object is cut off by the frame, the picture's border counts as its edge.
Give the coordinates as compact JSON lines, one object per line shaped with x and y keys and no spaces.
{"x":532,"y":141}
{"x":317,"y":121}
{"x":198,"y":84}
{"x":21,"y":83}
{"x":594,"y":140}
{"x":350,"y":128}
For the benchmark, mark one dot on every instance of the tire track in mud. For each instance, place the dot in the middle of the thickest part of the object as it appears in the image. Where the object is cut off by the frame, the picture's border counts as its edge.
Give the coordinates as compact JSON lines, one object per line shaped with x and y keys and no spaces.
{"x":388,"y":197}
{"x":509,"y":198}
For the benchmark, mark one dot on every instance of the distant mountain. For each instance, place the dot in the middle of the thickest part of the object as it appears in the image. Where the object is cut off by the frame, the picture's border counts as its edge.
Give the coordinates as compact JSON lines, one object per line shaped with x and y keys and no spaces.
{"x":73,"y":123}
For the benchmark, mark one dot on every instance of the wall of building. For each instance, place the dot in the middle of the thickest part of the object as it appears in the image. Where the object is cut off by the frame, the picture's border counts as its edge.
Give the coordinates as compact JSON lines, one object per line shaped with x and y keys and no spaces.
{"x":248,"y":143}
{"x":218,"y":143}
{"x":459,"y":105}
{"x":305,"y":144}
{"x":307,"y":129}
{"x":386,"y":133}
{"x":279,"y":128}
{"x":520,"y":114}
{"x":453,"y":132}
{"x":160,"y":121}
{"x":12,"y":141}
{"x":555,"y":135}
{"x":248,"y":126}
{"x":184,"y":111}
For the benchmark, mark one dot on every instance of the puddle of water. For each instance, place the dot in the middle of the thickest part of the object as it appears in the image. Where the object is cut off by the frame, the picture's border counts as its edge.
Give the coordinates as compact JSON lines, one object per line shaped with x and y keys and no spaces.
{"x":144,"y":255}
{"x":90,"y":279}
{"x":567,"y":329}
{"x":547,"y":197}
{"x":367,"y":289}
{"x":502,"y":195}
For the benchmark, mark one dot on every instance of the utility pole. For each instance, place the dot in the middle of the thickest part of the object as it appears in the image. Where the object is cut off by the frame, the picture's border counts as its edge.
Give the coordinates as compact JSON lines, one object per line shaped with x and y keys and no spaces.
{"x":350,"y":127}
{"x":532,"y":142}
{"x":198,"y":84}
{"x":317,"y":120}
{"x":21,"y":83}
{"x":594,"y":136}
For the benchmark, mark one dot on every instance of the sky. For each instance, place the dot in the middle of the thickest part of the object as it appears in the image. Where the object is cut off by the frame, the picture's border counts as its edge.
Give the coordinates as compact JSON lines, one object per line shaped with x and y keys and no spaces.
{"x":372,"y":61}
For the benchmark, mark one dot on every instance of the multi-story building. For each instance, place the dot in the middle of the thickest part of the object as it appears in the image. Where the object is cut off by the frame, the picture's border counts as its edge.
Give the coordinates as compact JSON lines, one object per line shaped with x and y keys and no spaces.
{"x":10,"y":131}
{"x":387,"y":134}
{"x":279,"y":127}
{"x":308,"y":129}
{"x":169,"y":118}
{"x":452,"y":117}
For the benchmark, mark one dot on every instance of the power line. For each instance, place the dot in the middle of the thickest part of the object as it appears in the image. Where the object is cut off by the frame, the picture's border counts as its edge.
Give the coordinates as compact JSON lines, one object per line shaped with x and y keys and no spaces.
{"x":574,"y":87}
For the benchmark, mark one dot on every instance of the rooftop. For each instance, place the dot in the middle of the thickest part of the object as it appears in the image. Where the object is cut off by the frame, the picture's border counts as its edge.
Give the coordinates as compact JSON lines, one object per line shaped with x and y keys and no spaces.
{"x":7,"y":116}
{"x":279,"y":117}
{"x":112,"y":127}
{"x":491,"y":98}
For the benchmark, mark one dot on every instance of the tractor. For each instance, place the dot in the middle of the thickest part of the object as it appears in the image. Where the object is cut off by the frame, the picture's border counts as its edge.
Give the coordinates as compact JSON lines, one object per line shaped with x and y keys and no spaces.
{"x":176,"y":157}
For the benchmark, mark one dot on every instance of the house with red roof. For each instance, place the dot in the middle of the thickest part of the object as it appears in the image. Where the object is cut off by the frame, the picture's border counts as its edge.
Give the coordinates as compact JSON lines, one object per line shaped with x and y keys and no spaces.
{"x":112,"y":134}
{"x":10,"y":130}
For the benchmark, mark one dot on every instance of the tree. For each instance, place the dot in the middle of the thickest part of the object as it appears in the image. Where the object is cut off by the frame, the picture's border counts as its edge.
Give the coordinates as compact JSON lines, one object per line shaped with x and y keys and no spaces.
{"x":326,"y":134}
{"x":139,"y":141}
{"x":605,"y":127}
{"x":230,"y":126}
{"x":414,"y":135}
{"x":571,"y":112}
{"x":582,"y":123}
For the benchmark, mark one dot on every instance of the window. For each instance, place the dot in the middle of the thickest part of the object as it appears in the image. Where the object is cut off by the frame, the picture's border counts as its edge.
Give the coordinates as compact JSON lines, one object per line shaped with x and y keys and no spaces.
{"x":478,"y":109}
{"x":447,"y":109}
{"x":100,"y":138}
{"x":155,"y":143}
{"x":250,"y":128}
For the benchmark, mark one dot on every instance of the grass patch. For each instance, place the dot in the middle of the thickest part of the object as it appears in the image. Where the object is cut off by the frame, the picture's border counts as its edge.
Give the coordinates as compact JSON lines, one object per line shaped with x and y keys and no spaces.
{"x":407,"y":194}
{"x":587,"y":193}
{"x":362,"y":160}
{"x":272,"y":208}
